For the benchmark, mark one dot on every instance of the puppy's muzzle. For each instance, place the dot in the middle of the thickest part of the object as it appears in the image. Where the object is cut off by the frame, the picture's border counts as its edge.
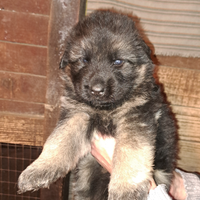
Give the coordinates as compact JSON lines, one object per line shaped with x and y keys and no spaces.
{"x":97,"y":87}
{"x":97,"y":90}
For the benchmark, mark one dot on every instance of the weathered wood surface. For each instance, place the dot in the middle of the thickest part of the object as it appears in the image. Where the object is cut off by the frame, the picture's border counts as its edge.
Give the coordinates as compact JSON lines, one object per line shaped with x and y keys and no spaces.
{"x":188,"y":120}
{"x":23,"y":58}
{"x":188,"y":123}
{"x":182,"y":86}
{"x":24,"y":28}
{"x":180,"y":78}
{"x":64,"y":15}
{"x":23,"y":87}
{"x":180,"y":62}
{"x":21,"y":129}
{"x":189,"y":156}
{"x":21,"y":107}
{"x":29,"y":6}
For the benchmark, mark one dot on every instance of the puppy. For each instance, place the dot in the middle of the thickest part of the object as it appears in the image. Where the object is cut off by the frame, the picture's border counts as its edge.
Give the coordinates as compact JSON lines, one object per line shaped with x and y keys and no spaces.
{"x":108,"y":88}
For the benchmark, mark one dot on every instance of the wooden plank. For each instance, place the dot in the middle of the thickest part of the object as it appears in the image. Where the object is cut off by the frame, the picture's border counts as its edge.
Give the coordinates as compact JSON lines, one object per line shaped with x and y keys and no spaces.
{"x":188,"y":121}
{"x":180,"y":62}
{"x":188,"y":128}
{"x":182,"y":86}
{"x":21,"y":107}
{"x":186,"y":111}
{"x":21,"y":129}
{"x":24,"y":28}
{"x":28,"y":6}
{"x":22,"y":87}
{"x":23,"y":58}
{"x":189,"y":156}
{"x":57,"y":37}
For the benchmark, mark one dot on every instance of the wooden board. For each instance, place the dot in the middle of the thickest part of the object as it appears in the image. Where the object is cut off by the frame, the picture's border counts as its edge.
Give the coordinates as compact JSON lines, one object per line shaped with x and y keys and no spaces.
{"x":21,"y":129}
{"x":182,"y":86}
{"x":24,"y":28}
{"x":188,"y":121}
{"x":57,"y":37}
{"x":28,"y":6}
{"x":20,"y":107}
{"x":181,"y":83}
{"x":189,"y":156}
{"x":178,"y":62}
{"x":22,"y":87}
{"x":23,"y":58}
{"x":188,"y":128}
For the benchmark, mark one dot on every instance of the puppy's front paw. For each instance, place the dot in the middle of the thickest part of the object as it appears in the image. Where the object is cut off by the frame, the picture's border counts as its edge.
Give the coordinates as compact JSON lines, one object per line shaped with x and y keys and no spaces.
{"x":35,"y":177}
{"x":139,"y":192}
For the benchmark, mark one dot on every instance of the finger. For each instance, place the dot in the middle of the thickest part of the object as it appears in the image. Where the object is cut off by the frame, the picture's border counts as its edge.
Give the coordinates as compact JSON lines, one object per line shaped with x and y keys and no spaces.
{"x":153,"y":184}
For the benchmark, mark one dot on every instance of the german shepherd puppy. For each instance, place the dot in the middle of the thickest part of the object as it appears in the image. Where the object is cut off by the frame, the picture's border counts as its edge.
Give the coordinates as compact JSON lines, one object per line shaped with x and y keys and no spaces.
{"x":108,"y":88}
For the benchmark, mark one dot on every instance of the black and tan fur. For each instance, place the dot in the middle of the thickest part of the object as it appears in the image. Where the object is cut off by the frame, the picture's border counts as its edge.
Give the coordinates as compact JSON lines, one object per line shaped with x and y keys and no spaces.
{"x":109,"y":88}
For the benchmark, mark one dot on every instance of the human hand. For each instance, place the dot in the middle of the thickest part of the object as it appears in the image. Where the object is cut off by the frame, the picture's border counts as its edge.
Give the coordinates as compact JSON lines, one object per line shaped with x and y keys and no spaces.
{"x":177,"y":189}
{"x":102,"y":148}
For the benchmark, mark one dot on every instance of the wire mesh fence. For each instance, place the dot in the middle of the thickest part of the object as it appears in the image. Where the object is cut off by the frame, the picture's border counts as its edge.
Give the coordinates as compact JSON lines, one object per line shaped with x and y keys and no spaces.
{"x":14,"y":158}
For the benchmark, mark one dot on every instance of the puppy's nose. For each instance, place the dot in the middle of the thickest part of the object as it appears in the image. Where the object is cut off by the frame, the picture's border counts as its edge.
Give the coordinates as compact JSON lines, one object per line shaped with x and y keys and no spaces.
{"x":97,"y":89}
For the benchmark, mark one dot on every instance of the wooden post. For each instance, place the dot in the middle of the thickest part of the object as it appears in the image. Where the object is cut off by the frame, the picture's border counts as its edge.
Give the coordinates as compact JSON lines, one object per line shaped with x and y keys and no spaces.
{"x":64,"y":14}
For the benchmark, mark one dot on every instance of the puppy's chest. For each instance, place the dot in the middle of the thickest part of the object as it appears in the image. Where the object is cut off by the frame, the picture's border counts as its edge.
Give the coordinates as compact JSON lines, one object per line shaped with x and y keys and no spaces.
{"x":103,"y":124}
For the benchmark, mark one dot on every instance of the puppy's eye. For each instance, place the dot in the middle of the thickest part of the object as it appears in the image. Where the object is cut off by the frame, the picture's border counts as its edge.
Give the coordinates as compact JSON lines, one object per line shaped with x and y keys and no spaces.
{"x":85,"y":60}
{"x":118,"y":62}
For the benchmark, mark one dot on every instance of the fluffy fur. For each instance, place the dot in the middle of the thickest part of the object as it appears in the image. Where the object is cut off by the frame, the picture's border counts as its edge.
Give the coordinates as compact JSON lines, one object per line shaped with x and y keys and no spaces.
{"x":109,"y":88}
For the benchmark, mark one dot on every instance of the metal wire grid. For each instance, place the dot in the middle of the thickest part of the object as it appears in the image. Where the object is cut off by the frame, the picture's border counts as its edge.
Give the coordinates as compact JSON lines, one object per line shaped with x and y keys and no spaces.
{"x":14,"y":158}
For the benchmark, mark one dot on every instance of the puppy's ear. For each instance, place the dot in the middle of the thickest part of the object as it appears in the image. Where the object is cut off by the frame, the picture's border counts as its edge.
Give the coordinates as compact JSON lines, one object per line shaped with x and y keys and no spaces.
{"x":64,"y":61}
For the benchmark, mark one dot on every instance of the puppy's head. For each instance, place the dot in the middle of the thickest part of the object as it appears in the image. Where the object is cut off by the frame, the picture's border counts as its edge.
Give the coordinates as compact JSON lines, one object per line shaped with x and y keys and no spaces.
{"x":107,"y":59}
